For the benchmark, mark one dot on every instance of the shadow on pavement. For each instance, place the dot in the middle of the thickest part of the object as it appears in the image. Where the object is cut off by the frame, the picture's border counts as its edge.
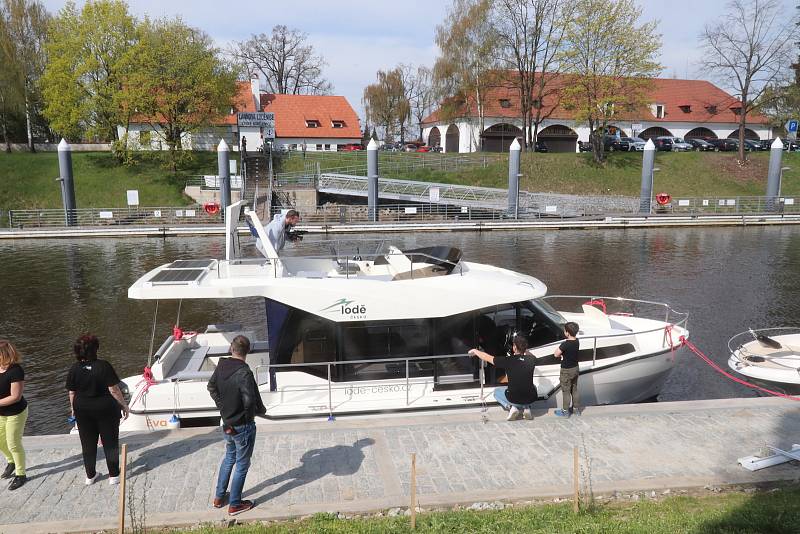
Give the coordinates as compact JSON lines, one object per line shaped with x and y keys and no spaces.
{"x":151,"y":459}
{"x":339,"y":460}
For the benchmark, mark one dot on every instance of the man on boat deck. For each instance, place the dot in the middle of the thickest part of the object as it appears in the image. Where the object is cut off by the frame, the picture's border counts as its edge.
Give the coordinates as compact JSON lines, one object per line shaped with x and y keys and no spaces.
{"x":280,"y":225}
{"x":520,"y":394}
{"x":234,"y":390}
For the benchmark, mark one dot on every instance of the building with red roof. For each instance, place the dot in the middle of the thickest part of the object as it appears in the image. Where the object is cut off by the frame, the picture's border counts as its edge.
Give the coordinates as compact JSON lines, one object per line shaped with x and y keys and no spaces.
{"x":678,"y":108}
{"x":302,"y":122}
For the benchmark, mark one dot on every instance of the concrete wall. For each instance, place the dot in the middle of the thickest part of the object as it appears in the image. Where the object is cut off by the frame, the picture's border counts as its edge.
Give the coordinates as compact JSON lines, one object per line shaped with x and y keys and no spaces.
{"x":329,"y":144}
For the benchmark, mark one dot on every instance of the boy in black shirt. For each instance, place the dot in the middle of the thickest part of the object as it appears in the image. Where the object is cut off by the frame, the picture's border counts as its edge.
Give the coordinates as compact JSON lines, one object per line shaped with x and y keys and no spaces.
{"x":520,"y":394}
{"x":568,"y":353}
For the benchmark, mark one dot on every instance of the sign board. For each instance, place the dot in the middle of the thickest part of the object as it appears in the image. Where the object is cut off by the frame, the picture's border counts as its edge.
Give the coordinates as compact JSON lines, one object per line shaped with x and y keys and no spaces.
{"x":433,"y":194}
{"x":684,"y":202}
{"x":410,"y":211}
{"x":791,"y":127}
{"x":551,"y":209}
{"x":232,"y":167}
{"x":636,"y":128}
{"x":133,"y":197}
{"x":258,"y":119}
{"x":106,"y":214}
{"x":156,"y":213}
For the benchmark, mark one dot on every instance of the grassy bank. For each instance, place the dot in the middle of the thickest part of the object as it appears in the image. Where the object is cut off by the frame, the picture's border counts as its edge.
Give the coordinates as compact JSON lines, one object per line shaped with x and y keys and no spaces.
{"x":29,"y":180}
{"x":775,"y":512}
{"x":680,"y":174}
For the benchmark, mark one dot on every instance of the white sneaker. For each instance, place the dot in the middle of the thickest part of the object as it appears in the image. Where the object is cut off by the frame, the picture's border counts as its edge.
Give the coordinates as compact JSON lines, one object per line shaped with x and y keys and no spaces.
{"x":113,"y":481}
{"x":90,"y":481}
{"x":529,"y":414}
{"x":513,"y":414}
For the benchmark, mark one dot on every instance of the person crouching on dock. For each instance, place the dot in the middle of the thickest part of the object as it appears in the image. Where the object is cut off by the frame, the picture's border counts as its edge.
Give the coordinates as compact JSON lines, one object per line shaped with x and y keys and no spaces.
{"x":520,"y":394}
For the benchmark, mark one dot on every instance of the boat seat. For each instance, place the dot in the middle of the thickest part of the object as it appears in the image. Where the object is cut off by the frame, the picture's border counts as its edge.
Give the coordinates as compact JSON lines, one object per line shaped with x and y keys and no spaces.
{"x":189,"y":361}
{"x":596,"y":317}
{"x":223,"y":327}
{"x":192,"y":375}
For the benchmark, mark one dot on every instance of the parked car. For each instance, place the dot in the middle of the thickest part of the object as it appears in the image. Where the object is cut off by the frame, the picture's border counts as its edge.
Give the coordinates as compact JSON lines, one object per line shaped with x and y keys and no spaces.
{"x":612,"y":143}
{"x":541,"y":146}
{"x":352,"y":148}
{"x":680,"y":145}
{"x":423,"y":148}
{"x":751,"y":145}
{"x":636,"y":143}
{"x":584,"y":146}
{"x":791,"y":145}
{"x":437,"y":148}
{"x":700,"y":145}
{"x":724,"y":145}
{"x":663,"y":144}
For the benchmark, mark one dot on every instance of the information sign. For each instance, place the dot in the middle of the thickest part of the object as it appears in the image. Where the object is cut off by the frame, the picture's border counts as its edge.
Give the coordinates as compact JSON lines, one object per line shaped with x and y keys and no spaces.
{"x":259,"y":119}
{"x":133,"y":197}
{"x":791,"y":127}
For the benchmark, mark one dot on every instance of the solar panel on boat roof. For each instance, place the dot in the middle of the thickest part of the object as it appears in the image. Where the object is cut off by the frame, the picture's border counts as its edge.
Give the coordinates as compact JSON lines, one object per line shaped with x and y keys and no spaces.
{"x":190,"y":264}
{"x":177,"y":275}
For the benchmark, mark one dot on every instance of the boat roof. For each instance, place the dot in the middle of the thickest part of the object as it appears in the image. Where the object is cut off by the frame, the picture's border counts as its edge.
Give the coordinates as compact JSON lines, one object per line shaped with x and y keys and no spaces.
{"x":313,"y":285}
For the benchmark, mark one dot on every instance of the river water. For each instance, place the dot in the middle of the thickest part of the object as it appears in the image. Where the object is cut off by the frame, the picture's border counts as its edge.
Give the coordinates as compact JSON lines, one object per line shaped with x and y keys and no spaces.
{"x":727,"y":279}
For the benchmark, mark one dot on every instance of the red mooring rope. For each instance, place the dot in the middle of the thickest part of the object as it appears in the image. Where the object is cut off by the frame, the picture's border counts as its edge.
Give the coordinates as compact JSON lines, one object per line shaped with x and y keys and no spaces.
{"x":691,"y":346}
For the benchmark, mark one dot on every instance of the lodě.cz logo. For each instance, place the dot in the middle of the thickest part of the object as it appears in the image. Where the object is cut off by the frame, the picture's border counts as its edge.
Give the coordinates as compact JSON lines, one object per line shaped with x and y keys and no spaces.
{"x":347,"y":308}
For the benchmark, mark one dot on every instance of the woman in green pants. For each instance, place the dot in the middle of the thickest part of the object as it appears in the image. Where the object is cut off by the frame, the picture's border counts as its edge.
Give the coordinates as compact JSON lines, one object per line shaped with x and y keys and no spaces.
{"x":13,"y":414}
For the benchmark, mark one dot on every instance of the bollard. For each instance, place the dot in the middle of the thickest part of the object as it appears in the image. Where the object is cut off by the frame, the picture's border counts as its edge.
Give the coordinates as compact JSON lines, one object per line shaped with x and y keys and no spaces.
{"x":514,"y":155}
{"x":67,"y":182}
{"x":223,"y":167}
{"x":648,"y":165}
{"x":774,"y":174}
{"x":372,"y":180}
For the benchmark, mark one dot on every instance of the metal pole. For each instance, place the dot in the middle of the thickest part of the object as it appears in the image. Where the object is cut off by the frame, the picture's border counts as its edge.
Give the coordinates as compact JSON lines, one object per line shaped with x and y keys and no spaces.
{"x":372,"y":180}
{"x":224,"y":170}
{"x":67,"y":182}
{"x":648,"y":165}
{"x":330,"y":396}
{"x":514,"y":155}
{"x":774,"y":173}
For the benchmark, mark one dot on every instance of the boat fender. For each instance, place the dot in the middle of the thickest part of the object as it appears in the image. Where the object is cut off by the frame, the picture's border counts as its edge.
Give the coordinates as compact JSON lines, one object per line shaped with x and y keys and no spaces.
{"x":212,"y":208}
{"x":174,"y":422}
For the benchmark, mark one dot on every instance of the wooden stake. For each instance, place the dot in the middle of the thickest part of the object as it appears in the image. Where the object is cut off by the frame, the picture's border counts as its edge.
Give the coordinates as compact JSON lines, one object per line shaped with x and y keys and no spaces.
{"x":575,"y":484}
{"x":123,"y":466}
{"x":413,"y":490}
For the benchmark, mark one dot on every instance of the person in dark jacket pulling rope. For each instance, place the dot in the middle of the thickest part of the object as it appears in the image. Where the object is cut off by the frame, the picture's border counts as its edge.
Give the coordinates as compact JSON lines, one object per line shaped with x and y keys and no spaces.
{"x":235,"y":392}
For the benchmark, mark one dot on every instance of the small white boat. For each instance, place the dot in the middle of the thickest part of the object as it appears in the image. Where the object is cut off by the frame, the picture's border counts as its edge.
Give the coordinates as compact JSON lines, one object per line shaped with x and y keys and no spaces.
{"x":389,"y":332}
{"x":769,"y":357}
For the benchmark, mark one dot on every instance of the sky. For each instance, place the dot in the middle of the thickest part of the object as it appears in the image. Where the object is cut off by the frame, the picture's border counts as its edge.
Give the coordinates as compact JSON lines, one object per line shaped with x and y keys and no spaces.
{"x":358,"y":38}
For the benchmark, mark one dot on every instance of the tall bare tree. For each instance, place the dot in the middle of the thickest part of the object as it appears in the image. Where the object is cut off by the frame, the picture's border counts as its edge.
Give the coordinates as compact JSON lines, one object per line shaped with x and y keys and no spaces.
{"x":386,"y":104}
{"x":611,"y":57}
{"x":418,"y":89}
{"x":22,"y":41}
{"x":531,"y":37}
{"x":749,"y":48}
{"x":466,"y":67}
{"x":285,"y":61}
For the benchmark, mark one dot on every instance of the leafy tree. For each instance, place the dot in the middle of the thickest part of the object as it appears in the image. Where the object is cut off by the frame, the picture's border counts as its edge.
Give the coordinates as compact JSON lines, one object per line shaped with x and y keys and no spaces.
{"x":24,"y":29}
{"x":285,"y":60}
{"x":177,"y":81}
{"x":749,"y":48}
{"x":386,"y":104}
{"x":466,"y":67}
{"x":84,"y":74}
{"x":530,"y":34}
{"x":11,"y":101}
{"x":611,"y":57}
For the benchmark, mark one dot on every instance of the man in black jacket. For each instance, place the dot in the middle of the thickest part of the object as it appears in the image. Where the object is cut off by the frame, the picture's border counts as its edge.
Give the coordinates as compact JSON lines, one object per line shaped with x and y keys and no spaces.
{"x":235,"y":392}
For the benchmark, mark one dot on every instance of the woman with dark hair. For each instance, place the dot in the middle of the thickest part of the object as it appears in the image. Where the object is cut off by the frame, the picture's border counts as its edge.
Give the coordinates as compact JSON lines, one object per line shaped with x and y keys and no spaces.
{"x":13,"y":414}
{"x":96,"y":402}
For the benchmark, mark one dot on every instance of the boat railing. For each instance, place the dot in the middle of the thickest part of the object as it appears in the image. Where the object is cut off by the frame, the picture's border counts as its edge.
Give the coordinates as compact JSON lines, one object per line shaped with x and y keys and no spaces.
{"x":737,"y":342}
{"x":344,"y":261}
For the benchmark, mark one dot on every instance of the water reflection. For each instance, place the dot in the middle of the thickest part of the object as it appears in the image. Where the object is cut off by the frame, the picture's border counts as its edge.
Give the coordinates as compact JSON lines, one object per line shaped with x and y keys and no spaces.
{"x":728,"y":279}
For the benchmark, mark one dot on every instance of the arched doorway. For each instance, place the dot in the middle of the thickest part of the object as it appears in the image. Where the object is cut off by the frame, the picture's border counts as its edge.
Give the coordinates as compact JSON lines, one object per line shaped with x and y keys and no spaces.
{"x":558,"y":138}
{"x":748,"y":134}
{"x":434,"y":137}
{"x":499,"y":137}
{"x":451,"y":139}
{"x":700,"y":133}
{"x":655,"y":131}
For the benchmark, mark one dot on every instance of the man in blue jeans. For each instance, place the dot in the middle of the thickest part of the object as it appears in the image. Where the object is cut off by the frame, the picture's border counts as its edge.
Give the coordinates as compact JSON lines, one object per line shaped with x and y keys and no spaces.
{"x":234,"y":390}
{"x":520,"y":394}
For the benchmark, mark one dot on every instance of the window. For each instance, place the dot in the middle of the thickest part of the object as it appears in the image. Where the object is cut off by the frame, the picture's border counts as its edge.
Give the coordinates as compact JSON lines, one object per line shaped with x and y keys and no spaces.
{"x":736,"y":110}
{"x":145,"y":139}
{"x":313,"y":123}
{"x":711,"y":108}
{"x":536,"y":103}
{"x":338,"y":124}
{"x":319,"y":147}
{"x":686,"y":108}
{"x":660,"y":111}
{"x":505,"y":103}
{"x":382,"y":340}
{"x":293,"y":146}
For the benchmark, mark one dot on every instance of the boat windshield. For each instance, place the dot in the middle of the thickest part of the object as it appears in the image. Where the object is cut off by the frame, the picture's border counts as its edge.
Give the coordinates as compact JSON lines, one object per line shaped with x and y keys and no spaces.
{"x":549,"y":311}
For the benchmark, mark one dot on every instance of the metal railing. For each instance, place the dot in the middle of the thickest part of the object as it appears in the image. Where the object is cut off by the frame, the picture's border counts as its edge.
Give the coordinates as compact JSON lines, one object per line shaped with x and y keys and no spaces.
{"x":210,"y":181}
{"x":329,"y":215}
{"x":734,"y":205}
{"x":103,"y":217}
{"x":737,"y":342}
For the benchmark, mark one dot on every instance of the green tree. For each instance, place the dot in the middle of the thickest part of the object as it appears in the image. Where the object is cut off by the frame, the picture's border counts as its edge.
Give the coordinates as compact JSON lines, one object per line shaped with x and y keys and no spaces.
{"x":467,"y":66}
{"x":386,"y":104}
{"x":611,"y":57}
{"x":24,"y":29}
{"x":84,"y":74}
{"x":177,"y":81}
{"x":11,"y":101}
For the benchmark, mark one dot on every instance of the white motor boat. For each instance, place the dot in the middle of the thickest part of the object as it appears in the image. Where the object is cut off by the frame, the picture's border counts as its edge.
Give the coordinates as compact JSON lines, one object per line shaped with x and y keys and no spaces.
{"x":388,"y":332}
{"x":769,"y":357}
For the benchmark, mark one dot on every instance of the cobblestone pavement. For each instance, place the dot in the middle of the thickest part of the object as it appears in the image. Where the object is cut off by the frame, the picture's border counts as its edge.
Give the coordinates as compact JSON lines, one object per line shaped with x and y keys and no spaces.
{"x":363,"y":464}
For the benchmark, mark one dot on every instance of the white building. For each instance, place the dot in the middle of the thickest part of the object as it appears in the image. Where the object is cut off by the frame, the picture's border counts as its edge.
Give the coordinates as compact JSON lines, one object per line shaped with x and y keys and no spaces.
{"x":680,"y":108}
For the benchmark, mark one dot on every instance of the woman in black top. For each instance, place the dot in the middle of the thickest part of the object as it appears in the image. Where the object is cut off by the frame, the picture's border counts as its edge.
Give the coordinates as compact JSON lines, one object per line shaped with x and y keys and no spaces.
{"x":96,"y":402}
{"x":13,"y":414}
